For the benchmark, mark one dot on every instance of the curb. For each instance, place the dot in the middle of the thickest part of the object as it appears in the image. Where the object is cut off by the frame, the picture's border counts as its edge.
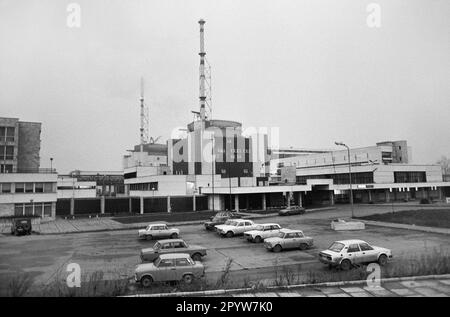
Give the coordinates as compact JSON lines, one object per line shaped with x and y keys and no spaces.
{"x":405,"y":226}
{"x":289,"y":287}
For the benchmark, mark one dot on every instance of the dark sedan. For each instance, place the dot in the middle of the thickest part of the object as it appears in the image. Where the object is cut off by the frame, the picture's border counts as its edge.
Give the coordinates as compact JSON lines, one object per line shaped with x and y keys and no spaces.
{"x":219,"y":219}
{"x":292,"y":210}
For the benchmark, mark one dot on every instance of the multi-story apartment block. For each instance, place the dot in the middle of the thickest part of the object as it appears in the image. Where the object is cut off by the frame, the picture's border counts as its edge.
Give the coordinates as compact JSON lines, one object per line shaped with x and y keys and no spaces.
{"x":25,"y":188}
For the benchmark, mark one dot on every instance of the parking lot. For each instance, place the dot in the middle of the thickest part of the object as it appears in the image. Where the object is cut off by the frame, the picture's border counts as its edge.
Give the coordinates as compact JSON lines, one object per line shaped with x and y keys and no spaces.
{"x":116,"y":253}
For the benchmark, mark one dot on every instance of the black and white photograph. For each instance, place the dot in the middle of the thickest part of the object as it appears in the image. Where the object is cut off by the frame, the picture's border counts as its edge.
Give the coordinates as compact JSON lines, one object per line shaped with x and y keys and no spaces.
{"x":224,"y":156}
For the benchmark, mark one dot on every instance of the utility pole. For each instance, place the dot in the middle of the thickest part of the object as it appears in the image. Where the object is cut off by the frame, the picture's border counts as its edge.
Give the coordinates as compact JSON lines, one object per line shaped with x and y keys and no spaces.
{"x":349,"y":174}
{"x":212,"y":169}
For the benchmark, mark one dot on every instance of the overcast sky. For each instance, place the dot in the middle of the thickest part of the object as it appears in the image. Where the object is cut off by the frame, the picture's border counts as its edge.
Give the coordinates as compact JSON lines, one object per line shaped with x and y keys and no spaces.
{"x":315,"y":69}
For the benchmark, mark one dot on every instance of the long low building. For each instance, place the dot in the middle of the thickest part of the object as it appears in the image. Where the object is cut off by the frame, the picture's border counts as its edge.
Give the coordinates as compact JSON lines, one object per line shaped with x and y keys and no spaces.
{"x":380,"y":173}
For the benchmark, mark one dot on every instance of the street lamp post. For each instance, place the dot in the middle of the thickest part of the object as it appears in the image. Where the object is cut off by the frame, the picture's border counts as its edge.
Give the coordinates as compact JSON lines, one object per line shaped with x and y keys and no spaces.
{"x":349,"y":174}
{"x":212,"y":170}
{"x":51,"y":165}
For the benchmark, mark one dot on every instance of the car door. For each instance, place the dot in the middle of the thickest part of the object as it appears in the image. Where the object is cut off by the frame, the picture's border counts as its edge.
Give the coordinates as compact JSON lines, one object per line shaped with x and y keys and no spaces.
{"x":154,"y":231}
{"x":165,"y":248}
{"x":164,"y":231}
{"x":368,"y":253}
{"x":182,"y":266}
{"x":289,"y":241}
{"x":354,"y":253}
{"x":179,"y":247}
{"x":166,"y":271}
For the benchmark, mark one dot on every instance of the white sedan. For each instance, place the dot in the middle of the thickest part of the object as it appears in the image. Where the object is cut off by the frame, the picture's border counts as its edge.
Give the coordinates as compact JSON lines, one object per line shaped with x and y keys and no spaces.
{"x":158,"y":230}
{"x":263,"y":231}
{"x":347,"y":253}
{"x":235,"y":227}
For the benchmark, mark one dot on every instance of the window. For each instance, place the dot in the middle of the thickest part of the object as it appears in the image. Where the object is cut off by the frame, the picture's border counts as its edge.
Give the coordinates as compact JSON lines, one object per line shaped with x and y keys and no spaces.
{"x":6,"y":152}
{"x":6,"y":168}
{"x":48,"y":210}
{"x":39,"y":187}
{"x":165,"y":263}
{"x":166,"y":246}
{"x":2,"y":133}
{"x":28,"y":187}
{"x":6,"y":187}
{"x":182,"y":262}
{"x":18,"y":210}
{"x":38,"y":210}
{"x":10,"y":134}
{"x":28,"y":209}
{"x":20,"y":187}
{"x":178,"y":245}
{"x":48,"y":187}
{"x":365,"y":247}
{"x":353,"y":248}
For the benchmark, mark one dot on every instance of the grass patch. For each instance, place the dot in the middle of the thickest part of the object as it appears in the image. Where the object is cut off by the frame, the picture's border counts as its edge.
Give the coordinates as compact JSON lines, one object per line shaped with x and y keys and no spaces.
{"x":439,"y":218}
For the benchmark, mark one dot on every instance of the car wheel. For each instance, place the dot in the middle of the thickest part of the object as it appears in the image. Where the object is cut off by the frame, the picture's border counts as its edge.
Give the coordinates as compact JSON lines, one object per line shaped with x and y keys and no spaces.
{"x":188,"y":278}
{"x":230,"y":234}
{"x":258,"y":239}
{"x":303,"y":246}
{"x":345,"y":265}
{"x":174,"y":235}
{"x":277,"y":248}
{"x":382,"y":260}
{"x":197,"y":257}
{"x":146,"y":281}
{"x":148,"y":237}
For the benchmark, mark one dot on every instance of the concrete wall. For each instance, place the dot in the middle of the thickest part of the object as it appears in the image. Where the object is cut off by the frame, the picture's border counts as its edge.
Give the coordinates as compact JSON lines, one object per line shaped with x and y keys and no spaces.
{"x":6,"y":210}
{"x":29,"y":145}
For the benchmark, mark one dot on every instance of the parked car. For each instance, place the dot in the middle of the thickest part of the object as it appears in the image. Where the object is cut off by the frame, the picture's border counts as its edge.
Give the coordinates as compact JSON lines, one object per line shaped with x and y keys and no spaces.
{"x":219,"y":219}
{"x":21,"y":226}
{"x":346,"y":253}
{"x":235,"y":227}
{"x":263,"y":231}
{"x":288,"y":239}
{"x":169,"y":267}
{"x":292,"y":210}
{"x":158,"y":230}
{"x":172,"y":246}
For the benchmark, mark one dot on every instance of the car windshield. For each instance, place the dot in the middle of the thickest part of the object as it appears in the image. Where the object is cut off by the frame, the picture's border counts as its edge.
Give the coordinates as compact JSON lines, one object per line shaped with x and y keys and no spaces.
{"x":259,"y":228}
{"x":231,"y":223}
{"x":281,"y":235}
{"x":336,"y":247}
{"x":157,"y":261}
{"x":157,"y":246}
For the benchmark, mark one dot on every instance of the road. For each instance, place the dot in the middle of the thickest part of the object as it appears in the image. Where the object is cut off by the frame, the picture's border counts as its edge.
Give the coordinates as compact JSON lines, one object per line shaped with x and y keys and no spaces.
{"x":116,"y":252}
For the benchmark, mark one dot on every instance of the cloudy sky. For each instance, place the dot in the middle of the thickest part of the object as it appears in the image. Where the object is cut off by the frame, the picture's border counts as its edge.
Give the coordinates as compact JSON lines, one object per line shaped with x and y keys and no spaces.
{"x":315,"y":69}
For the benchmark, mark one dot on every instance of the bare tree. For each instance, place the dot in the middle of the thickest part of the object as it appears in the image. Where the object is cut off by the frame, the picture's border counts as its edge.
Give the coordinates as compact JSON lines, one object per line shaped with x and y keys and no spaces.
{"x":444,"y":162}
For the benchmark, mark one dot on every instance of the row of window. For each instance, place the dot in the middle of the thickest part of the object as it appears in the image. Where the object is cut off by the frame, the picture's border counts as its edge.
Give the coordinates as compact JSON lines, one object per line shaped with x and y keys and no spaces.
{"x":33,"y":209}
{"x":357,"y":178}
{"x":410,"y":177}
{"x":145,"y":186}
{"x":7,"y":134}
{"x":7,"y":188}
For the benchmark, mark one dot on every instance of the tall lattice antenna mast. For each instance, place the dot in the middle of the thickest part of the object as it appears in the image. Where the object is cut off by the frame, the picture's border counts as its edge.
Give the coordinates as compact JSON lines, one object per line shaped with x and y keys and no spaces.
{"x":144,"y":119}
{"x":205,"y":78}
